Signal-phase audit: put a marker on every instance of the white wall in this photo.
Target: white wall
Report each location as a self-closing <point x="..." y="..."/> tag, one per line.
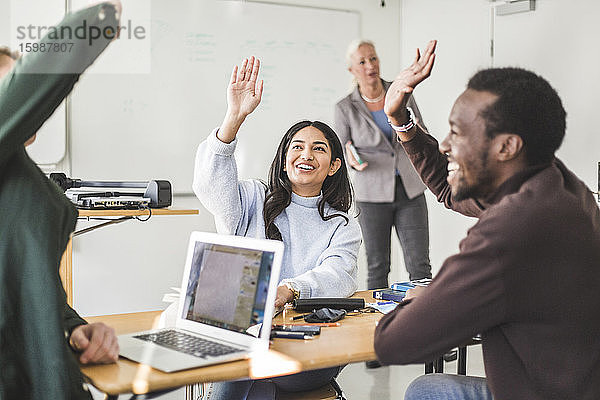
<point x="568" y="57"/>
<point x="463" y="33"/>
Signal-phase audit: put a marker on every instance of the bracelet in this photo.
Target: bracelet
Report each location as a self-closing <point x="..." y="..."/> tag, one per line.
<point x="295" y="291"/>
<point x="407" y="126"/>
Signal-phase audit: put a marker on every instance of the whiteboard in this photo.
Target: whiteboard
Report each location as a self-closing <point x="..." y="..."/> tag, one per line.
<point x="51" y="141"/>
<point x="133" y="126"/>
<point x="566" y="54"/>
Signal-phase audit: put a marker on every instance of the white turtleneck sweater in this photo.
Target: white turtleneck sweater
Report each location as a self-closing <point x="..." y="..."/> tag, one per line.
<point x="320" y="256"/>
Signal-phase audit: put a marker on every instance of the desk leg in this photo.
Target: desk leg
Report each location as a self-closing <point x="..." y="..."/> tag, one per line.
<point x="438" y="365"/>
<point x="462" y="361"/>
<point x="66" y="271"/>
<point x="429" y="367"/>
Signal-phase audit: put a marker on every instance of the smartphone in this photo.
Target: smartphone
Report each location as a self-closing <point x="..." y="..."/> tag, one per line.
<point x="306" y="329"/>
<point x="355" y="154"/>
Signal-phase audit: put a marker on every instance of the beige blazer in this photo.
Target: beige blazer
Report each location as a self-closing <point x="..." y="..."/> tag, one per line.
<point x="375" y="184"/>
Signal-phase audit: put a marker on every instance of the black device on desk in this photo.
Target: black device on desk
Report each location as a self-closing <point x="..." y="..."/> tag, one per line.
<point x="306" y="329"/>
<point x="389" y="294"/>
<point x="157" y="193"/>
<point x="291" y="335"/>
<point x="337" y="303"/>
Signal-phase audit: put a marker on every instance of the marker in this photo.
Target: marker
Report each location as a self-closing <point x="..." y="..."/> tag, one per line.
<point x="355" y="153"/>
<point x="291" y="335"/>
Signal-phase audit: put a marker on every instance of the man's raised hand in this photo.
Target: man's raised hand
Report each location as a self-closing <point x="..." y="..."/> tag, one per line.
<point x="406" y="81"/>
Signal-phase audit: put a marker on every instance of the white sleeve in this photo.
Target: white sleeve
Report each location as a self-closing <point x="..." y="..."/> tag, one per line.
<point x="216" y="184"/>
<point x="335" y="274"/>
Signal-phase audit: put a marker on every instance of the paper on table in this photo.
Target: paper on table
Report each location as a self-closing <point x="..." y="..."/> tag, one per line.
<point x="171" y="297"/>
<point x="169" y="315"/>
<point x="383" y="307"/>
<point x="254" y="330"/>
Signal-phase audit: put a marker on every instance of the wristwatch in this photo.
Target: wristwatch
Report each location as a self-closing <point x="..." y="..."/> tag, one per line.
<point x="295" y="291"/>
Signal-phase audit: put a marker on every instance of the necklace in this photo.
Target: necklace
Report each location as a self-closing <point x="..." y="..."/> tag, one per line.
<point x="375" y="100"/>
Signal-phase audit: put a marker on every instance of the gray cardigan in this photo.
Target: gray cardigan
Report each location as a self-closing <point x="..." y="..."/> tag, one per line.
<point x="375" y="184"/>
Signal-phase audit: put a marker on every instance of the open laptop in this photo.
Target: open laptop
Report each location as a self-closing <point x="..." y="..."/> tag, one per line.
<point x="229" y="285"/>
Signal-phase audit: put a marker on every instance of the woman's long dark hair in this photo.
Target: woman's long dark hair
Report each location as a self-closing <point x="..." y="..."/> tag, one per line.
<point x="337" y="189"/>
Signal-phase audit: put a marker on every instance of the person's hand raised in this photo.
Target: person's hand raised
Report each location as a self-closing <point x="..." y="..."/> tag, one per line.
<point x="406" y="81"/>
<point x="243" y="96"/>
<point x="244" y="93"/>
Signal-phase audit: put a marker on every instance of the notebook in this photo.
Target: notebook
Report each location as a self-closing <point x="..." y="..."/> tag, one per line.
<point x="228" y="286"/>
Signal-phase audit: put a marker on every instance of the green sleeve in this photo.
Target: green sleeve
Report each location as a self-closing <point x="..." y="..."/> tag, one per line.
<point x="71" y="319"/>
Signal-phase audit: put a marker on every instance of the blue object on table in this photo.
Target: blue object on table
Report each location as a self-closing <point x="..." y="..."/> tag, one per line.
<point x="402" y="286"/>
<point x="389" y="294"/>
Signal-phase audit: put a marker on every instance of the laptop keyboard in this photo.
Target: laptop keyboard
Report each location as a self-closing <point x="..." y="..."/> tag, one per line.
<point x="188" y="344"/>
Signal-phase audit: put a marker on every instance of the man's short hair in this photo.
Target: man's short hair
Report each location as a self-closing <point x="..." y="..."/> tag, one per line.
<point x="15" y="55"/>
<point x="526" y="106"/>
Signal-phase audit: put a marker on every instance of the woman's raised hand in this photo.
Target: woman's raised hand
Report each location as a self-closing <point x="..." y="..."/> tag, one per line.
<point x="243" y="96"/>
<point x="243" y="92"/>
<point x="398" y="93"/>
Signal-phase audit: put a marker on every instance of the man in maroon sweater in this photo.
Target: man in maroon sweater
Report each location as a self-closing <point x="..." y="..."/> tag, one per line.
<point x="527" y="274"/>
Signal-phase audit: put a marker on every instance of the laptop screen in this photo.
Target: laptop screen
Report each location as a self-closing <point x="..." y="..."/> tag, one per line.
<point x="227" y="286"/>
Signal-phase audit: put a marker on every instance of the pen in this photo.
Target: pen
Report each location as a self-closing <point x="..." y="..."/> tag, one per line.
<point x="291" y="335"/>
<point x="355" y="153"/>
<point x="297" y="317"/>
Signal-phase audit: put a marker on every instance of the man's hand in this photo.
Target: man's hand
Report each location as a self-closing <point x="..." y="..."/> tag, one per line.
<point x="284" y="295"/>
<point x="414" y="292"/>
<point x="352" y="160"/>
<point x="97" y="343"/>
<point x="399" y="92"/>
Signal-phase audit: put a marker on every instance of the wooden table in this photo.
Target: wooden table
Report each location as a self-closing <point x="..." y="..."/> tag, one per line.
<point x="350" y="342"/>
<point x="66" y="263"/>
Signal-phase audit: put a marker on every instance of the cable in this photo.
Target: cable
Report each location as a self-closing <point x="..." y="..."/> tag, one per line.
<point x="149" y="214"/>
<point x="91" y="228"/>
<point x="110" y="221"/>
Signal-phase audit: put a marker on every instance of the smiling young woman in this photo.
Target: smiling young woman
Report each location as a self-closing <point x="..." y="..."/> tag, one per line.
<point x="304" y="204"/>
